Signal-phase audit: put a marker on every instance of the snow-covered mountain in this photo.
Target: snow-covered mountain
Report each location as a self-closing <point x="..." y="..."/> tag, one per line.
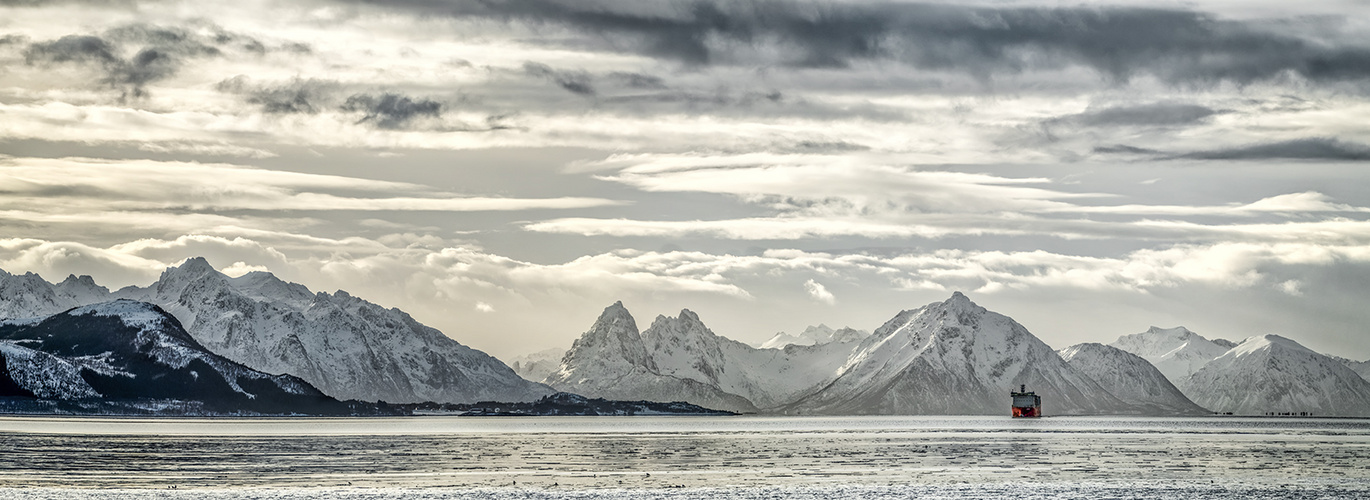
<point x="1130" y="378"/>
<point x="135" y="353"/>
<point x="683" y="347"/>
<point x="1176" y="352"/>
<point x="611" y="361"/>
<point x="679" y="358"/>
<point x="536" y="366"/>
<point x="1270" y="373"/>
<point x="1361" y="368"/>
<point x="815" y="335"/>
<point x="29" y="296"/>
<point x="955" y="357"/>
<point x="347" y="347"/>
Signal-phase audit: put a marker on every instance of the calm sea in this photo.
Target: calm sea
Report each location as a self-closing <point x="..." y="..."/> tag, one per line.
<point x="685" y="457"/>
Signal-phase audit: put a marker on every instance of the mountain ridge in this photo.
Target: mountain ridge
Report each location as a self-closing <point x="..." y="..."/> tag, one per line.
<point x="136" y="356"/>
<point x="347" y="347"/>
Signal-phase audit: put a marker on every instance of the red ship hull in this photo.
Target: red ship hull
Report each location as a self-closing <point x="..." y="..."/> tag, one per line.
<point x="1026" y="404"/>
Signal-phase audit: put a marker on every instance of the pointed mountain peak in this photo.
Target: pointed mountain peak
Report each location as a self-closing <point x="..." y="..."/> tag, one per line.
<point x="84" y="279"/>
<point x="688" y="315"/>
<point x="613" y="340"/>
<point x="196" y="264"/>
<point x="960" y="303"/>
<point x="192" y="268"/>
<point x="616" y="310"/>
<point x="960" y="300"/>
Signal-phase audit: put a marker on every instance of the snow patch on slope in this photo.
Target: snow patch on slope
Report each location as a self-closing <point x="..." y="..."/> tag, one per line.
<point x="45" y="375"/>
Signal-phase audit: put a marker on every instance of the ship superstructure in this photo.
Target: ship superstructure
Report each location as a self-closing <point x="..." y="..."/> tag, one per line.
<point x="1026" y="404"/>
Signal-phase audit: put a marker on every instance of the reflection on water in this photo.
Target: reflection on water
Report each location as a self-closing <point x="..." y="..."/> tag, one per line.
<point x="749" y="455"/>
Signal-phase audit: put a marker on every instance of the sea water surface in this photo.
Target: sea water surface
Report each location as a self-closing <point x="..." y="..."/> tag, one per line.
<point x="685" y="457"/>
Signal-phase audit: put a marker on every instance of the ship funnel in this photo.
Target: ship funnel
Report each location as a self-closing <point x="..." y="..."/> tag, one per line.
<point x="1022" y="388"/>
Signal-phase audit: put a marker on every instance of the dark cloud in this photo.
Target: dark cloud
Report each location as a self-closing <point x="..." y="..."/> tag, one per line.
<point x="1316" y="148"/>
<point x="828" y="146"/>
<point x="1177" y="46"/>
<point x="638" y="80"/>
<point x="575" y="82"/>
<point x="297" y="96"/>
<point x="134" y="55"/>
<point x="1124" y="149"/>
<point x="1155" y="114"/>
<point x="13" y="40"/>
<point x="43" y="3"/>
<point x="391" y="111"/>
<point x="72" y="48"/>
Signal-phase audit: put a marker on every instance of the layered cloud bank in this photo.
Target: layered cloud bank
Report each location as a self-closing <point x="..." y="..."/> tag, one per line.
<point x="504" y="168"/>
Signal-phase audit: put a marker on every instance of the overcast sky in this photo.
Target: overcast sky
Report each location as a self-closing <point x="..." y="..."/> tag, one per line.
<point x="505" y="169"/>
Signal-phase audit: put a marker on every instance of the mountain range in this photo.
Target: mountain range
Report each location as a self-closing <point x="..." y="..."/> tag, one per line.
<point x="814" y="335"/>
<point x="949" y="357"/>
<point x="952" y="357"/>
<point x="125" y="356"/>
<point x="345" y="346"/>
<point x="1272" y="374"/>
<point x="1262" y="374"/>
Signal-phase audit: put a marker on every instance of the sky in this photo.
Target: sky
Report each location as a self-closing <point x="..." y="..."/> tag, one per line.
<point x="505" y="169"/>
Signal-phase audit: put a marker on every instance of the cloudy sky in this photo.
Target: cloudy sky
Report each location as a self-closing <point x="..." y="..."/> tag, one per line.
<point x="504" y="169"/>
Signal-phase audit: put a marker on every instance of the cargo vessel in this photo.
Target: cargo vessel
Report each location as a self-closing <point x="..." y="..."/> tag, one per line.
<point x="1026" y="404"/>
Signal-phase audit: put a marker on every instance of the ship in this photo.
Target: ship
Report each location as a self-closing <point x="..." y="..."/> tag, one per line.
<point x="1026" y="404"/>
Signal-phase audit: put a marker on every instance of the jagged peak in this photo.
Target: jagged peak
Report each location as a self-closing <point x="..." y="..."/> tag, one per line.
<point x="193" y="267"/>
<point x="196" y="264"/>
<point x="74" y="284"/>
<point x="83" y="279"/>
<point x="615" y="310"/>
<point x="686" y="314"/>
<point x="959" y="299"/>
<point x="959" y="302"/>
